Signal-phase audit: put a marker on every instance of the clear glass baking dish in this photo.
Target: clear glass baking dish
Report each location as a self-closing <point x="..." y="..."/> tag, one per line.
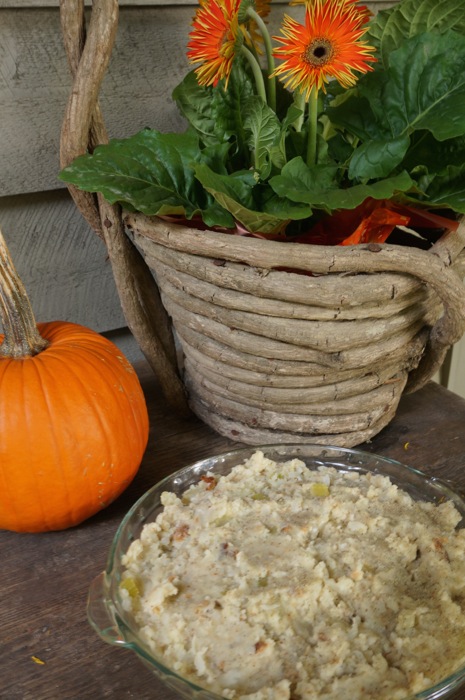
<point x="114" y="625"/>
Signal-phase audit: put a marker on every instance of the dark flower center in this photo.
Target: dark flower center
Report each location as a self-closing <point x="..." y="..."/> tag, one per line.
<point x="319" y="52"/>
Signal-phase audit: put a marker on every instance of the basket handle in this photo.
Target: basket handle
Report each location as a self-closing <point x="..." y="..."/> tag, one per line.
<point x="450" y="327"/>
<point x="434" y="268"/>
<point x="88" y="51"/>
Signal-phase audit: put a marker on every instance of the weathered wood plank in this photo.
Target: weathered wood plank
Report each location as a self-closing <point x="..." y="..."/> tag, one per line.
<point x="148" y="61"/>
<point x="62" y="263"/>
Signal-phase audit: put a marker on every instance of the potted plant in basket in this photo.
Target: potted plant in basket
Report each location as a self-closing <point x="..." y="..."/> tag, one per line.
<point x="344" y="130"/>
<point x="373" y="113"/>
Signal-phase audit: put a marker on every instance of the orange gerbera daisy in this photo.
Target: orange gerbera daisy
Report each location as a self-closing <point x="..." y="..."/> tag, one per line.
<point x="327" y="46"/>
<point x="214" y="39"/>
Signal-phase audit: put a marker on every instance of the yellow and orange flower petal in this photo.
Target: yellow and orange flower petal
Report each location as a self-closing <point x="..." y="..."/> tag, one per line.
<point x="363" y="10"/>
<point x="213" y="40"/>
<point x="328" y="46"/>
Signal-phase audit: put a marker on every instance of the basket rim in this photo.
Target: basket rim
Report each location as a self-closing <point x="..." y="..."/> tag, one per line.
<point x="319" y="259"/>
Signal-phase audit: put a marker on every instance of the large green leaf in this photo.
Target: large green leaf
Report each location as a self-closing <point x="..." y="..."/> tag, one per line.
<point x="378" y="158"/>
<point x="316" y="186"/>
<point x="281" y="207"/>
<point x="389" y="29"/>
<point x="239" y="185"/>
<point x="263" y="132"/>
<point x="215" y="113"/>
<point x="357" y="114"/>
<point x="351" y="197"/>
<point x="426" y="87"/>
<point x="422" y="90"/>
<point x="194" y="102"/>
<point x="278" y="152"/>
<point x="151" y="172"/>
<point x="299" y="182"/>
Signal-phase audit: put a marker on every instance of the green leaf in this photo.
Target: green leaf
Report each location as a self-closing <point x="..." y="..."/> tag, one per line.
<point x="448" y="188"/>
<point x="150" y="172"/>
<point x="216" y="156"/>
<point x="389" y="29"/>
<point x="377" y="159"/>
<point x="426" y="86"/>
<point x="283" y="208"/>
<point x="278" y="152"/>
<point x="215" y="113"/>
<point x="433" y="155"/>
<point x="356" y="114"/>
<point x="238" y="185"/>
<point x="423" y="88"/>
<point x="316" y="186"/>
<point x="263" y="131"/>
<point x="339" y="149"/>
<point x="353" y="196"/>
<point x="255" y="207"/>
<point x="194" y="102"/>
<point x="258" y="221"/>
<point x="299" y="182"/>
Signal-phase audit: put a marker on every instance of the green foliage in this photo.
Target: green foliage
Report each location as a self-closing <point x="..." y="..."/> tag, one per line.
<point x="217" y="115"/>
<point x="263" y="131"/>
<point x="257" y="208"/>
<point x="398" y="134"/>
<point x="152" y="173"/>
<point x="447" y="188"/>
<point x="409" y="18"/>
<point x="315" y="186"/>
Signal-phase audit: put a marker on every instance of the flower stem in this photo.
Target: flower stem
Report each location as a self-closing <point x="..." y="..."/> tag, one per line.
<point x="253" y="14"/>
<point x="257" y="72"/>
<point x="299" y="101"/>
<point x="21" y="339"/>
<point x="312" y="126"/>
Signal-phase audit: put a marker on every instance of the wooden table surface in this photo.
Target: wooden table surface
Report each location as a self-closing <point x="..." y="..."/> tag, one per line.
<point x="48" y="651"/>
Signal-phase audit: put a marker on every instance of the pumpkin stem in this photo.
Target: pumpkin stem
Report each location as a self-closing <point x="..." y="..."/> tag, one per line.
<point x="21" y="337"/>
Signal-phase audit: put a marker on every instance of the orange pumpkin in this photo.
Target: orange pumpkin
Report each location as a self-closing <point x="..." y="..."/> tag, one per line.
<point x="73" y="417"/>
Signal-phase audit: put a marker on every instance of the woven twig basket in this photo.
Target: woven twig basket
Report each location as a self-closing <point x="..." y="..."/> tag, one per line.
<point x="280" y="356"/>
<point x="321" y="353"/>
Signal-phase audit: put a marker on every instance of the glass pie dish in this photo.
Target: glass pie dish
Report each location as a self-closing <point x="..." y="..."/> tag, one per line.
<point x="115" y="625"/>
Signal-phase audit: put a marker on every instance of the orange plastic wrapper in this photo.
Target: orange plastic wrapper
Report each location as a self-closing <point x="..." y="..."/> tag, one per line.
<point x="368" y="223"/>
<point x="371" y="222"/>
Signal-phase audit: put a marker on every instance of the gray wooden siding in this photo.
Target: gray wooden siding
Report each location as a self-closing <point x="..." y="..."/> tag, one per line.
<point x="147" y="62"/>
<point x="62" y="262"/>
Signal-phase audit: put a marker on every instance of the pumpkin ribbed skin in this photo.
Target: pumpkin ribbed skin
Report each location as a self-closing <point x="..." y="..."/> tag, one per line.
<point x="73" y="430"/>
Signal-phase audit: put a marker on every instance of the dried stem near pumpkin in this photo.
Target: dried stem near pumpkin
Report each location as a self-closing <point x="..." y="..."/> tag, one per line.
<point x="22" y="339"/>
